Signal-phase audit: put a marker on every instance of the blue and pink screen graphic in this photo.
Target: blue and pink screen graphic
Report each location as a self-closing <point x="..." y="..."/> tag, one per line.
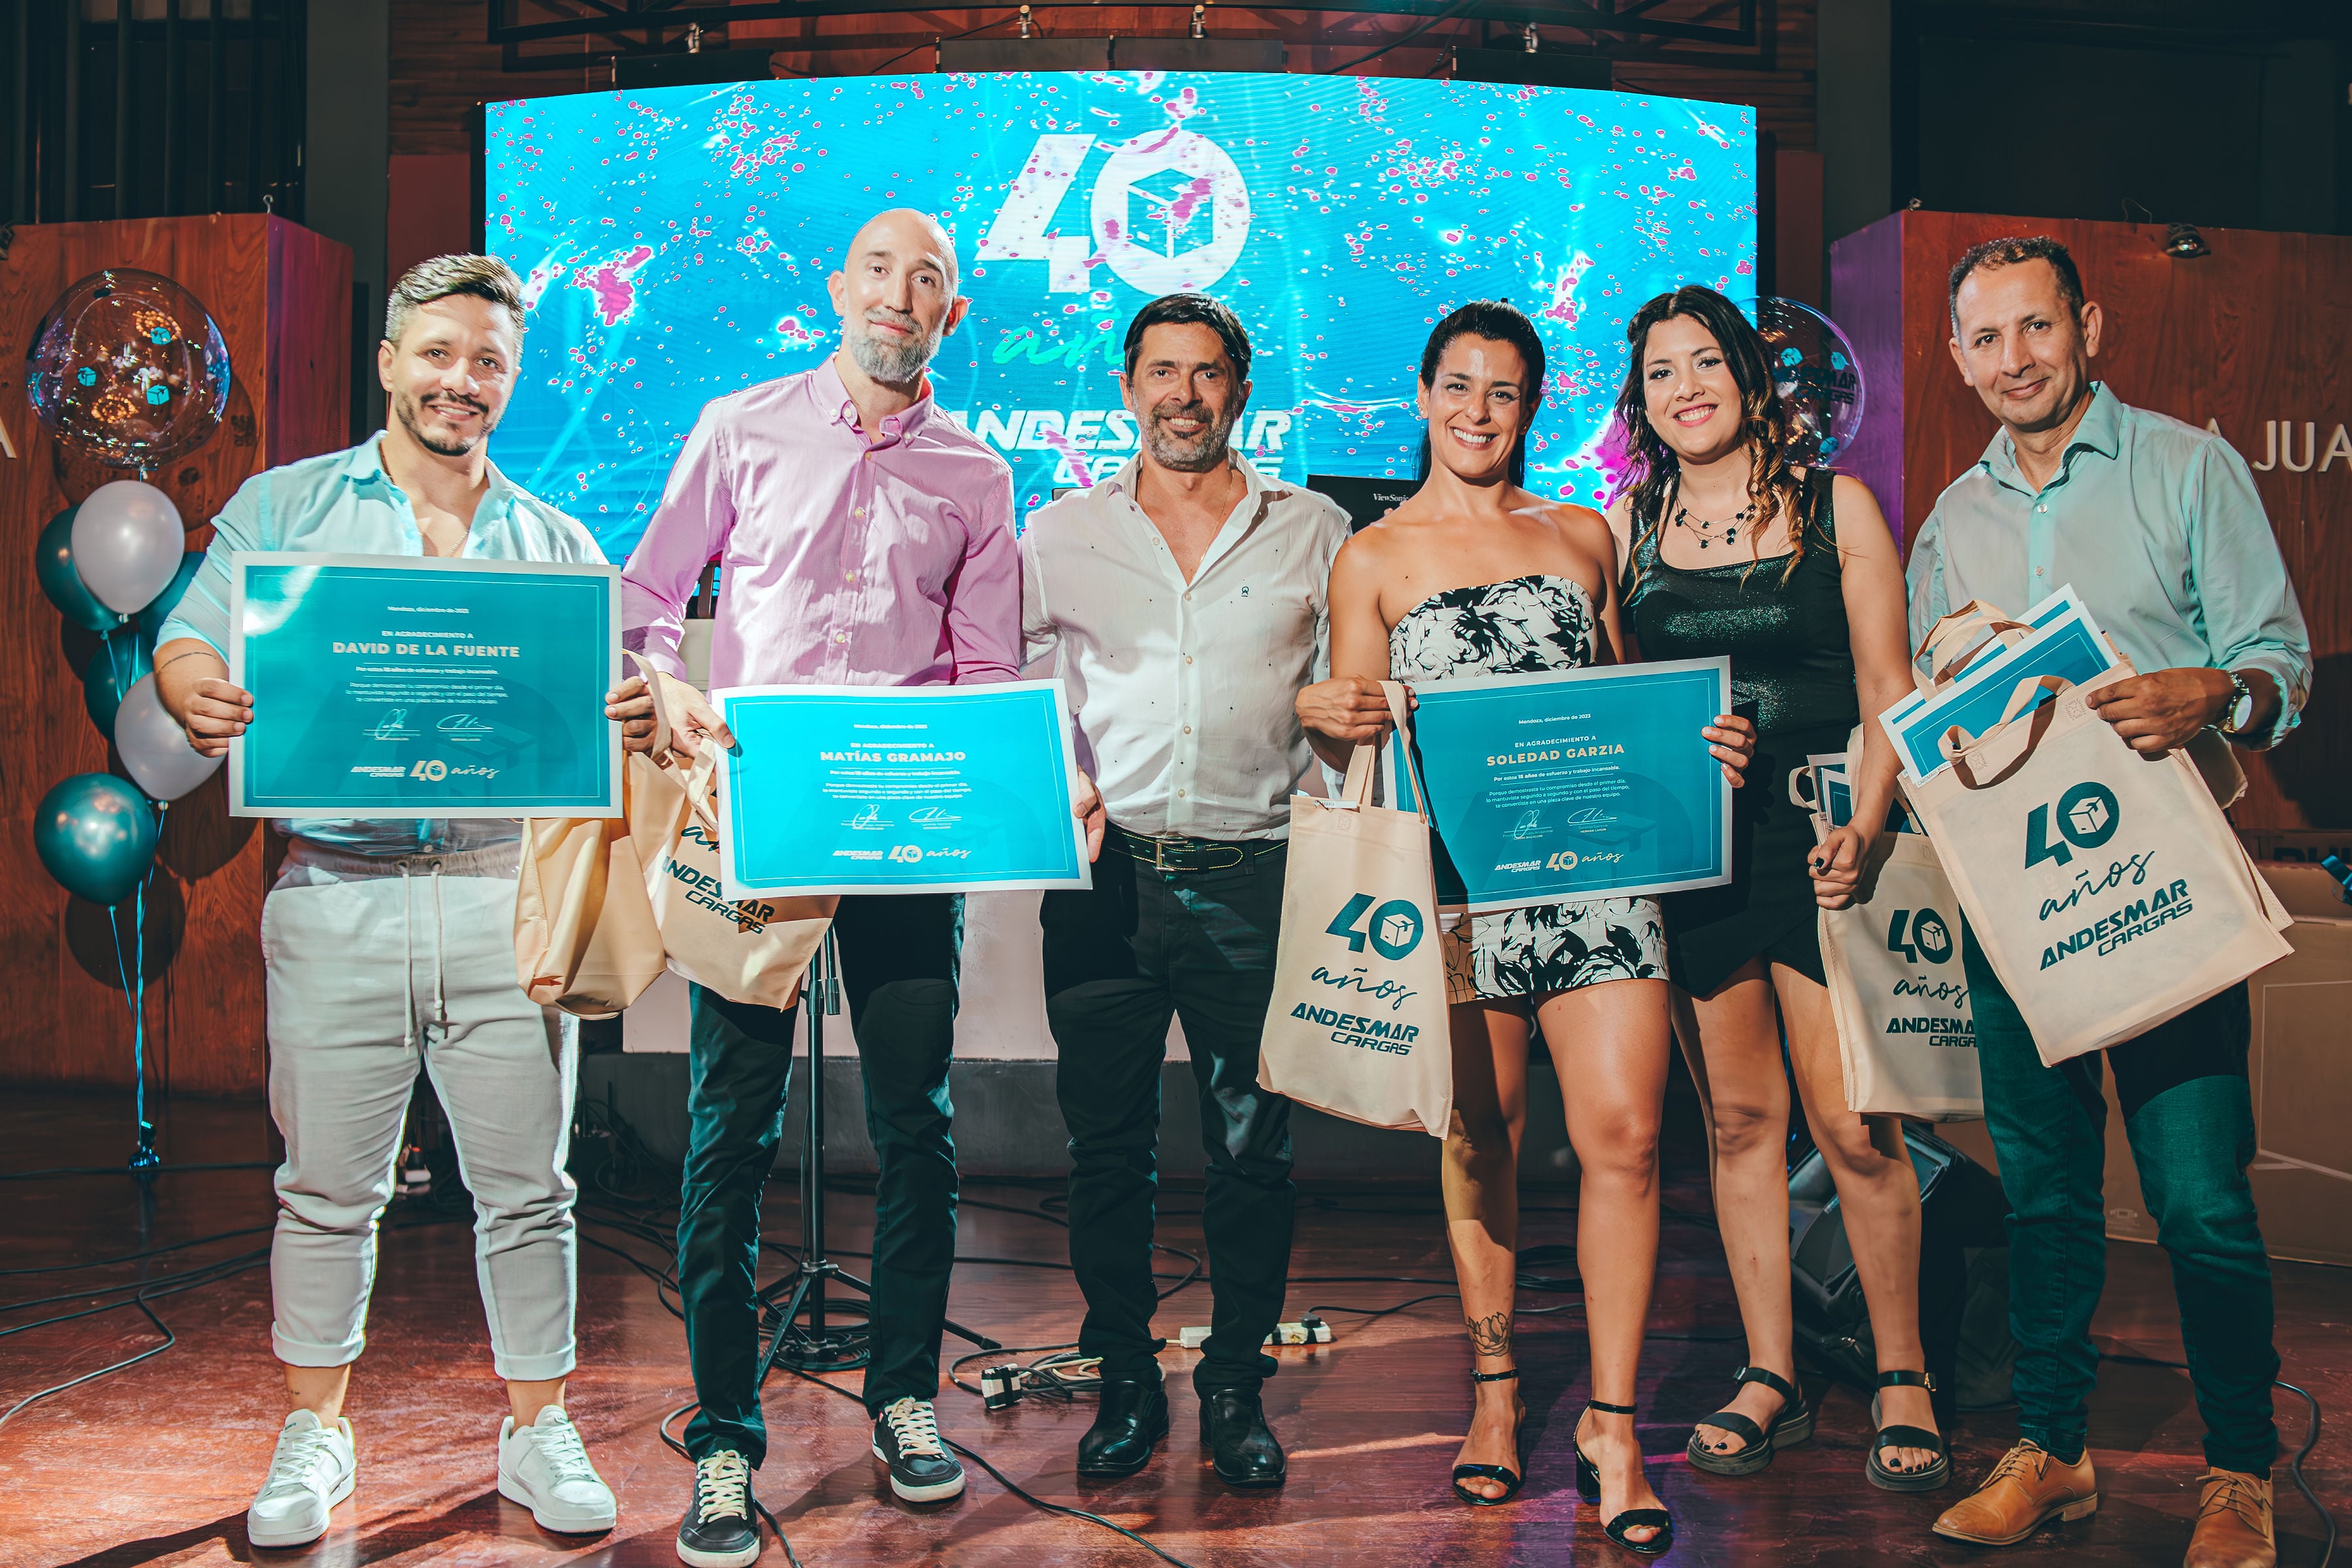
<point x="677" y="244"/>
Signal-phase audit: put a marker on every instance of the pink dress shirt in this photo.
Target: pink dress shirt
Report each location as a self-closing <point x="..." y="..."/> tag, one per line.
<point x="841" y="562"/>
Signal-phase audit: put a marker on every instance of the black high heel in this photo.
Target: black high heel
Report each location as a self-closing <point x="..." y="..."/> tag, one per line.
<point x="1510" y="1478"/>
<point x="1588" y="1487"/>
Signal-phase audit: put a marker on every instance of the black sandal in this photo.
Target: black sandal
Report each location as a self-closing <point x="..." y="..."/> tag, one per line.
<point x="1927" y="1478"/>
<point x="1588" y="1487"/>
<point x="1510" y="1478"/>
<point x="1793" y="1425"/>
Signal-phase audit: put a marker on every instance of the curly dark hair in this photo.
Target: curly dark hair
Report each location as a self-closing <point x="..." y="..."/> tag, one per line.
<point x="2011" y="250"/>
<point x="1498" y="322"/>
<point x="1773" y="483"/>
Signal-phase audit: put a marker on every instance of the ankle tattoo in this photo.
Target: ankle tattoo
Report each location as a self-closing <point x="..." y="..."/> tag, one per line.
<point x="1490" y="1335"/>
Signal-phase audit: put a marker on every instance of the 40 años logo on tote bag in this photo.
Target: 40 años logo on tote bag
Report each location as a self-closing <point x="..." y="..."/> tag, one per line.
<point x="1394" y="928"/>
<point x="2088" y="817"/>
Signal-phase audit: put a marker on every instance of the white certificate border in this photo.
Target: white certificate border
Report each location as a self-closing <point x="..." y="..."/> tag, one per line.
<point x="1720" y="666"/>
<point x="452" y="811"/>
<point x="734" y="891"/>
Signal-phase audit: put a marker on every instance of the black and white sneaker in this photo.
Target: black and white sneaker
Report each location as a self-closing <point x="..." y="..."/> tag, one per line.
<point x="907" y="1439"/>
<point x="719" y="1530"/>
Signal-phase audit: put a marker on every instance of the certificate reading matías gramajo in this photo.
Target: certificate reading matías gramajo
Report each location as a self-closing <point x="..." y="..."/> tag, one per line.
<point x="898" y="789"/>
<point x="413" y="686"/>
<point x="1575" y="785"/>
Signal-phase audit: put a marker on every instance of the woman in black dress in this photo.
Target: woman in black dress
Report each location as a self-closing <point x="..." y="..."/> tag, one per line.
<point x="1729" y="550"/>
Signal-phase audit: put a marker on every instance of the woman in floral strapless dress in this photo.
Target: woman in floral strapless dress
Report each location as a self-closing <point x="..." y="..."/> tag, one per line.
<point x="1474" y="576"/>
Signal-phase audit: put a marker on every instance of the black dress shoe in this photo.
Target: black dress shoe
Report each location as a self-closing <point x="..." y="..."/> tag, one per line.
<point x="1132" y="1418"/>
<point x="1232" y="1428"/>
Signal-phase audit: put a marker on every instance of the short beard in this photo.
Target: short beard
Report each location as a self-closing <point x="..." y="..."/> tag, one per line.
<point x="411" y="411"/>
<point x="894" y="364"/>
<point x="1208" y="450"/>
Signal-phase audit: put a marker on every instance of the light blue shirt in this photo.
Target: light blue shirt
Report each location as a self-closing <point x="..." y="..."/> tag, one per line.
<point x="2155" y="523"/>
<point x="344" y="503"/>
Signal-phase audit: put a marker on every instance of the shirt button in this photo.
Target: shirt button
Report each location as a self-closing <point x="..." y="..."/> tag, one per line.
<point x="1179" y="795"/>
<point x="1188" y="598"/>
<point x="1188" y="658"/>
<point x="857" y="511"/>
<point x="2038" y="572"/>
<point x="841" y="636"/>
<point x="2044" y="507"/>
<point x="852" y="575"/>
<point x="1188" y="729"/>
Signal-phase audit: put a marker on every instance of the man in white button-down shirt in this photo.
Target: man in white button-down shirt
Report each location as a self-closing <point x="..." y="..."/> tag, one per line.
<point x="1184" y="602"/>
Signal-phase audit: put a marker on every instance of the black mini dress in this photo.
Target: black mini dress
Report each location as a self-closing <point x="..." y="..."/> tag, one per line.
<point x="1792" y="672"/>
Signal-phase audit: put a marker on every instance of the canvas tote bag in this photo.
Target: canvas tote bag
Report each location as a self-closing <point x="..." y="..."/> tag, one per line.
<point x="1905" y="1034"/>
<point x="1357" y="1024"/>
<point x="754" y="949"/>
<point x="2106" y="886"/>
<point x="585" y="937"/>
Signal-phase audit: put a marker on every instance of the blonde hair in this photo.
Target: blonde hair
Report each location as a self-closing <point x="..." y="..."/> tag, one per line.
<point x="445" y="277"/>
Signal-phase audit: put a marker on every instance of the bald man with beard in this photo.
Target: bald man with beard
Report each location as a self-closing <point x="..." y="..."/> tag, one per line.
<point x="866" y="540"/>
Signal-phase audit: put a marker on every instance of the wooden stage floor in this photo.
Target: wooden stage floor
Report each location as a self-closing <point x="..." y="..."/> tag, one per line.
<point x="156" y="1463"/>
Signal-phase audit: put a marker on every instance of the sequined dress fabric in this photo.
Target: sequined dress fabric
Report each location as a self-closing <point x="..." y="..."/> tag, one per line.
<point x="1522" y="626"/>
<point x="1792" y="672"/>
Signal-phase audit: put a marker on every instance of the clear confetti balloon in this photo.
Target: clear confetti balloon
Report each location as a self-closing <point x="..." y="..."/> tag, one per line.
<point x="1819" y="381"/>
<point x="128" y="369"/>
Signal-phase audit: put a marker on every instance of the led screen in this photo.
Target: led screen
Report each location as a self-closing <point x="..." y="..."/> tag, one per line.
<point x="677" y="244"/>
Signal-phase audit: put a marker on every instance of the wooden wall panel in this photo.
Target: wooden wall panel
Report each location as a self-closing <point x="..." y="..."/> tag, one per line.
<point x="2250" y="339"/>
<point x="281" y="296"/>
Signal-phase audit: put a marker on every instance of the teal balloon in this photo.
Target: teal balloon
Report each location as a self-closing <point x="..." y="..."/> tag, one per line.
<point x="113" y="670"/>
<point x="97" y="836"/>
<point x="151" y="618"/>
<point x="54" y="563"/>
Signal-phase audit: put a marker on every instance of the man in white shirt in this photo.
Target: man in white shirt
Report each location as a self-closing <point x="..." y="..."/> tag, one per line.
<point x="1183" y="600"/>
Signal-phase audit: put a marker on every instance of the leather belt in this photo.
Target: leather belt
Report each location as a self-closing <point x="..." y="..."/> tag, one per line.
<point x="1174" y="852"/>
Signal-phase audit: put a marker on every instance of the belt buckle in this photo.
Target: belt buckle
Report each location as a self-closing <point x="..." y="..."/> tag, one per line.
<point x="1160" y="844"/>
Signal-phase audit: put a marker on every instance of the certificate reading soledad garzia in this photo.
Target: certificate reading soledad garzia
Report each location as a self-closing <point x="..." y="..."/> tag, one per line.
<point x="414" y="686"/>
<point x="905" y="789"/>
<point x="1575" y="785"/>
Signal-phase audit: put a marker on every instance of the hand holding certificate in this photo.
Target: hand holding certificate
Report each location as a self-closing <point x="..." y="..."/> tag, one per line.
<point x="919" y="789"/>
<point x="406" y="686"/>
<point x="1578" y="784"/>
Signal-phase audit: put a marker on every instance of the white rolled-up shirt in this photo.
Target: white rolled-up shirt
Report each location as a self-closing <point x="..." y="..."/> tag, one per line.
<point x="1182" y="692"/>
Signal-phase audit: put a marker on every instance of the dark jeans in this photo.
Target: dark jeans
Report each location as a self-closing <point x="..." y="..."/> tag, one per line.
<point x="1121" y="959"/>
<point x="2188" y="1114"/>
<point x="898" y="968"/>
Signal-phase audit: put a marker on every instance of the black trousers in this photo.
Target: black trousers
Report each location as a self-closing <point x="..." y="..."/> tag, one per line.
<point x="898" y="958"/>
<point x="1121" y="958"/>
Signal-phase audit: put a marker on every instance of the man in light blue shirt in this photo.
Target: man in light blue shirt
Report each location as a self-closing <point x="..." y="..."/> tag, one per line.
<point x="389" y="945"/>
<point x="2157" y="527"/>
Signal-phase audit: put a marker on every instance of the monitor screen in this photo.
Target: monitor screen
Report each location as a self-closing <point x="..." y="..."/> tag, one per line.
<point x="676" y="243"/>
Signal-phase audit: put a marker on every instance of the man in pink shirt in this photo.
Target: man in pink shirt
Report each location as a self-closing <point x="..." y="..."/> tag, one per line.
<point x="862" y="537"/>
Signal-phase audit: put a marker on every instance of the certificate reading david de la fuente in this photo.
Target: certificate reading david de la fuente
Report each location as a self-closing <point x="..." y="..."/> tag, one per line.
<point x="406" y="686"/>
<point x="905" y="789"/>
<point x="1575" y="785"/>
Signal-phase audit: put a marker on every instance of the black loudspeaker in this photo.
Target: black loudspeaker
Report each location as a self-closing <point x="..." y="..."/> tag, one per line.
<point x="1963" y="1278"/>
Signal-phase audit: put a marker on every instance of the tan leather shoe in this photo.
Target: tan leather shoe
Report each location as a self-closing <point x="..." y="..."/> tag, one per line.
<point x="2027" y="1489"/>
<point x="2233" y="1523"/>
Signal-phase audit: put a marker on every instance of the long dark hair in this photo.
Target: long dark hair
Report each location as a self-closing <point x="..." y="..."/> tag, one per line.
<point x="1773" y="483"/>
<point x="1497" y="320"/>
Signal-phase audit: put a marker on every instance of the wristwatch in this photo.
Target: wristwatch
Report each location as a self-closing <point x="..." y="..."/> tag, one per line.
<point x="2242" y="706"/>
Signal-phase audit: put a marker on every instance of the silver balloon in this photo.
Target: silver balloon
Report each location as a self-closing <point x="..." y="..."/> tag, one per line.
<point x="154" y="748"/>
<point x="127" y="545"/>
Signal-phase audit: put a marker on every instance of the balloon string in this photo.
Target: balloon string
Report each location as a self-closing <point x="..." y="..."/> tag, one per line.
<point x="144" y="1156"/>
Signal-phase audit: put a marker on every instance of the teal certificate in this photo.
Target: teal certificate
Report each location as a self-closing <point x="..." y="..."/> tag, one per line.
<point x="409" y="686"/>
<point x="1575" y="785"/>
<point x="898" y="789"/>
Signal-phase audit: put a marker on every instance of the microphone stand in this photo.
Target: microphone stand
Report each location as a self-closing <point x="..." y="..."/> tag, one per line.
<point x="795" y="1309"/>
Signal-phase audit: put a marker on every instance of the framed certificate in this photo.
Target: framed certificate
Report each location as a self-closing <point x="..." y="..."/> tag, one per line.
<point x="899" y="789"/>
<point x="412" y="686"/>
<point x="1575" y="785"/>
<point x="2064" y="641"/>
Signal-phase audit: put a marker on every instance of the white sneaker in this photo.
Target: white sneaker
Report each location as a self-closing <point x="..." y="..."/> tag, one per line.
<point x="313" y="1470"/>
<point x="545" y="1468"/>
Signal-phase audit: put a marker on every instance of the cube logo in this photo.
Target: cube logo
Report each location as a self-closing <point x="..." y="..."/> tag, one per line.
<point x="2088" y="817"/>
<point x="1169" y="211"/>
<point x="1394" y="928"/>
<point x="1919" y="935"/>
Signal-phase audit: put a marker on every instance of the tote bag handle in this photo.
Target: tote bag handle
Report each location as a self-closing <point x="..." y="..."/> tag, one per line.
<point x="1363" y="764"/>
